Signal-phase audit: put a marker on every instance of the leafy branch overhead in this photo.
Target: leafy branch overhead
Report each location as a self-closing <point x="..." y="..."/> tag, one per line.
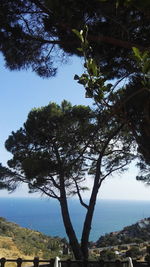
<point x="143" y="60"/>
<point x="92" y="80"/>
<point x="120" y="100"/>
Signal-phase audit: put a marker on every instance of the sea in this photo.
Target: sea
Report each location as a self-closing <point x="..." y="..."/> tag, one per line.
<point x="44" y="215"/>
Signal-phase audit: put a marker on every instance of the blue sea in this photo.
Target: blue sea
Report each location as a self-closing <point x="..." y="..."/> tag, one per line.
<point x="44" y="215"/>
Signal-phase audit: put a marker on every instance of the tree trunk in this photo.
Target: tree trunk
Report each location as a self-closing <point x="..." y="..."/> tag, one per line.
<point x="90" y="212"/>
<point x="97" y="183"/>
<point x="68" y="224"/>
<point x="70" y="231"/>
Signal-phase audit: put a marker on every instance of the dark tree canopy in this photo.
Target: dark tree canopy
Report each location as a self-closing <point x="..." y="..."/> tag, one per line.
<point x="32" y="32"/>
<point x="50" y="133"/>
<point x="137" y="113"/>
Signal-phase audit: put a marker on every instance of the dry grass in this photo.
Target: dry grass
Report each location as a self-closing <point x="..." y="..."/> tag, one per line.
<point x="9" y="250"/>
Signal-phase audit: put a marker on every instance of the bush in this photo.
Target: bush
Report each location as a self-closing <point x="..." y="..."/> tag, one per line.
<point x="134" y="252"/>
<point x="147" y="258"/>
<point x="5" y="245"/>
<point x="108" y="255"/>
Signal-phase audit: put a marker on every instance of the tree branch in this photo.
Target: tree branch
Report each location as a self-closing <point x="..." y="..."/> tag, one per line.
<point x="79" y="195"/>
<point x="111" y="136"/>
<point x="27" y="25"/>
<point x="113" y="170"/>
<point x="54" y="182"/>
<point x="41" y="6"/>
<point x="22" y="179"/>
<point x="101" y="38"/>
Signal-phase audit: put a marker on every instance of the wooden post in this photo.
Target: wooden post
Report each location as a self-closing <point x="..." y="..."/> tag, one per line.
<point x="68" y="263"/>
<point x="3" y="260"/>
<point x="85" y="263"/>
<point x="118" y="263"/>
<point x="101" y="263"/>
<point x="52" y="262"/>
<point x="19" y="262"/>
<point x="135" y="263"/>
<point x="36" y="262"/>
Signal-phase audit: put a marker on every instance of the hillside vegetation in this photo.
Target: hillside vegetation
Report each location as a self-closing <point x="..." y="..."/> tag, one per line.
<point x="136" y="233"/>
<point x="133" y="241"/>
<point x="16" y="241"/>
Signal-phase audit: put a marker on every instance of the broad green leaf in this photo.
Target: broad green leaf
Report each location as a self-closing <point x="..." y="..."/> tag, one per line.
<point x="77" y="33"/>
<point x="145" y="56"/>
<point x="146" y="66"/>
<point x="92" y="66"/>
<point x="137" y="52"/>
<point x="80" y="49"/>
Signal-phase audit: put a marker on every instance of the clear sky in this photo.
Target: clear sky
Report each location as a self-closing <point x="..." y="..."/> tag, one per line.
<point x="23" y="90"/>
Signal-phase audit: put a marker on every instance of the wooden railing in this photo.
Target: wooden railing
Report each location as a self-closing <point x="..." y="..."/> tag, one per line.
<point x="117" y="263"/>
<point x="72" y="263"/>
<point x="90" y="263"/>
<point x="34" y="263"/>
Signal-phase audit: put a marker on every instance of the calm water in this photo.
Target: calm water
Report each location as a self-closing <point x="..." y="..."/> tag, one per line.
<point x="44" y="215"/>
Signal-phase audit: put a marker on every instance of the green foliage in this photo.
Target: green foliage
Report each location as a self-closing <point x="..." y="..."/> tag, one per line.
<point x="32" y="31"/>
<point x="108" y="255"/>
<point x="148" y="249"/>
<point x="147" y="258"/>
<point x="92" y="79"/>
<point x="57" y="140"/>
<point x="51" y="134"/>
<point x="134" y="252"/>
<point x="136" y="99"/>
<point x="143" y="60"/>
<point x="122" y="102"/>
<point x="130" y="234"/>
<point x="55" y="150"/>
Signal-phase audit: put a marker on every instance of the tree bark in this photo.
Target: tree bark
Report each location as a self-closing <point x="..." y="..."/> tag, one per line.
<point x="90" y="212"/>
<point x="68" y="224"/>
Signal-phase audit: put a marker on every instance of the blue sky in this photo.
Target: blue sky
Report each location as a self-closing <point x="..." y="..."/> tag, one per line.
<point x="23" y="90"/>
